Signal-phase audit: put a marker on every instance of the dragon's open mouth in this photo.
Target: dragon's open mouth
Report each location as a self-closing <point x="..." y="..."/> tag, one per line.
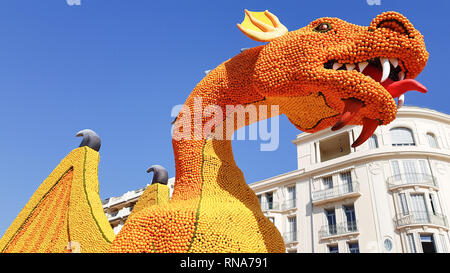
<point x="387" y="71"/>
<point x="390" y="73"/>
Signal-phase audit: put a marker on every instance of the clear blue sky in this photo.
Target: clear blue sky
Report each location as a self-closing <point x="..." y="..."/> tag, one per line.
<point x="119" y="66"/>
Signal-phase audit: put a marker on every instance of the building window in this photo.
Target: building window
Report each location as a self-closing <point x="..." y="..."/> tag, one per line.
<point x="443" y="244"/>
<point x="373" y="142"/>
<point x="403" y="204"/>
<point x="353" y="247"/>
<point x="327" y="182"/>
<point x="259" y="199"/>
<point x="351" y="218"/>
<point x="423" y="167"/>
<point x="269" y="200"/>
<point x="346" y="179"/>
<point x="427" y="242"/>
<point x="396" y="170"/>
<point x="432" y="140"/>
<point x="331" y="220"/>
<point x="420" y="208"/>
<point x="388" y="245"/>
<point x="411" y="175"/>
<point x="402" y="137"/>
<point x="433" y="203"/>
<point x="291" y="198"/>
<point x="410" y="171"/>
<point x="333" y="249"/>
<point x="411" y="243"/>
<point x="292" y="228"/>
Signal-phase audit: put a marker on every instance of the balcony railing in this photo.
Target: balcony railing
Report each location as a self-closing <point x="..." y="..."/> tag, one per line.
<point x="420" y="218"/>
<point x="113" y="214"/>
<point x="269" y="206"/>
<point x="290" y="236"/>
<point x="411" y="179"/>
<point x="336" y="192"/>
<point x="131" y="195"/>
<point x="124" y="212"/>
<point x="338" y="229"/>
<point x="289" y="204"/>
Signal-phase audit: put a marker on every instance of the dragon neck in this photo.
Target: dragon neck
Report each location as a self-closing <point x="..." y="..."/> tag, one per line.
<point x="201" y="161"/>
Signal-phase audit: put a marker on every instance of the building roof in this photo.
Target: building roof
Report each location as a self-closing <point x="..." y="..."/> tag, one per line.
<point x="405" y="111"/>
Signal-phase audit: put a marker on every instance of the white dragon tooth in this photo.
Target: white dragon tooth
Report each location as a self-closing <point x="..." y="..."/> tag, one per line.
<point x="336" y="66"/>
<point x="401" y="75"/>
<point x="401" y="101"/>
<point x="350" y="67"/>
<point x="362" y="66"/>
<point x="394" y="62"/>
<point x="386" y="68"/>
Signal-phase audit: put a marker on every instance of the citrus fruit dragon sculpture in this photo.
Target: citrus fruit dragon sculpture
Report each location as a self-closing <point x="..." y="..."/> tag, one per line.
<point x="328" y="74"/>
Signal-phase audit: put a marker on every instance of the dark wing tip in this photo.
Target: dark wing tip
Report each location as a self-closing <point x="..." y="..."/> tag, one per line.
<point x="90" y="139"/>
<point x="160" y="174"/>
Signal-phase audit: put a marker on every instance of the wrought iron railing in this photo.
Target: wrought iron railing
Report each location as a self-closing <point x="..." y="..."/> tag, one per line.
<point x="290" y="236"/>
<point x="411" y="179"/>
<point x="338" y="229"/>
<point x="131" y="195"/>
<point x="420" y="218"/>
<point x="124" y="212"/>
<point x="336" y="191"/>
<point x="269" y="206"/>
<point x="113" y="214"/>
<point x="289" y="204"/>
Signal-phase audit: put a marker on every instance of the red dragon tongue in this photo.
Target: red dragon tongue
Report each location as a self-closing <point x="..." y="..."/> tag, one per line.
<point x="396" y="89"/>
<point x="352" y="106"/>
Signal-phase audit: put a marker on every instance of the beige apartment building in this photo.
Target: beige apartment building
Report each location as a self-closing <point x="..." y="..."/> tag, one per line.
<point x="391" y="194"/>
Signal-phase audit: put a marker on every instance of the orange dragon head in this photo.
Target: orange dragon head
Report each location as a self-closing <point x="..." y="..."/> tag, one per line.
<point x="333" y="73"/>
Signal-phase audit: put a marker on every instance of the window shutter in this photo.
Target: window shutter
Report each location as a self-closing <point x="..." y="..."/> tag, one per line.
<point x="404" y="204"/>
<point x="402" y="137"/>
<point x="396" y="170"/>
<point x="423" y="166"/>
<point x="412" y="245"/>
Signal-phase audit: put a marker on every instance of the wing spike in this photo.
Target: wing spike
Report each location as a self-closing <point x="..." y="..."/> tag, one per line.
<point x="262" y="26"/>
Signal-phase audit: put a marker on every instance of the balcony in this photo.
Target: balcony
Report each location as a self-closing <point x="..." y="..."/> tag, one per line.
<point x="420" y="218"/>
<point x="338" y="230"/>
<point x="265" y="206"/>
<point x="119" y="214"/>
<point x="290" y="237"/>
<point x="289" y="204"/>
<point x="126" y="198"/>
<point x="339" y="192"/>
<point x="411" y="180"/>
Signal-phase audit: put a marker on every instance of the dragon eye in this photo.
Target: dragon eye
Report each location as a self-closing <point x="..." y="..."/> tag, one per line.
<point x="323" y="27"/>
